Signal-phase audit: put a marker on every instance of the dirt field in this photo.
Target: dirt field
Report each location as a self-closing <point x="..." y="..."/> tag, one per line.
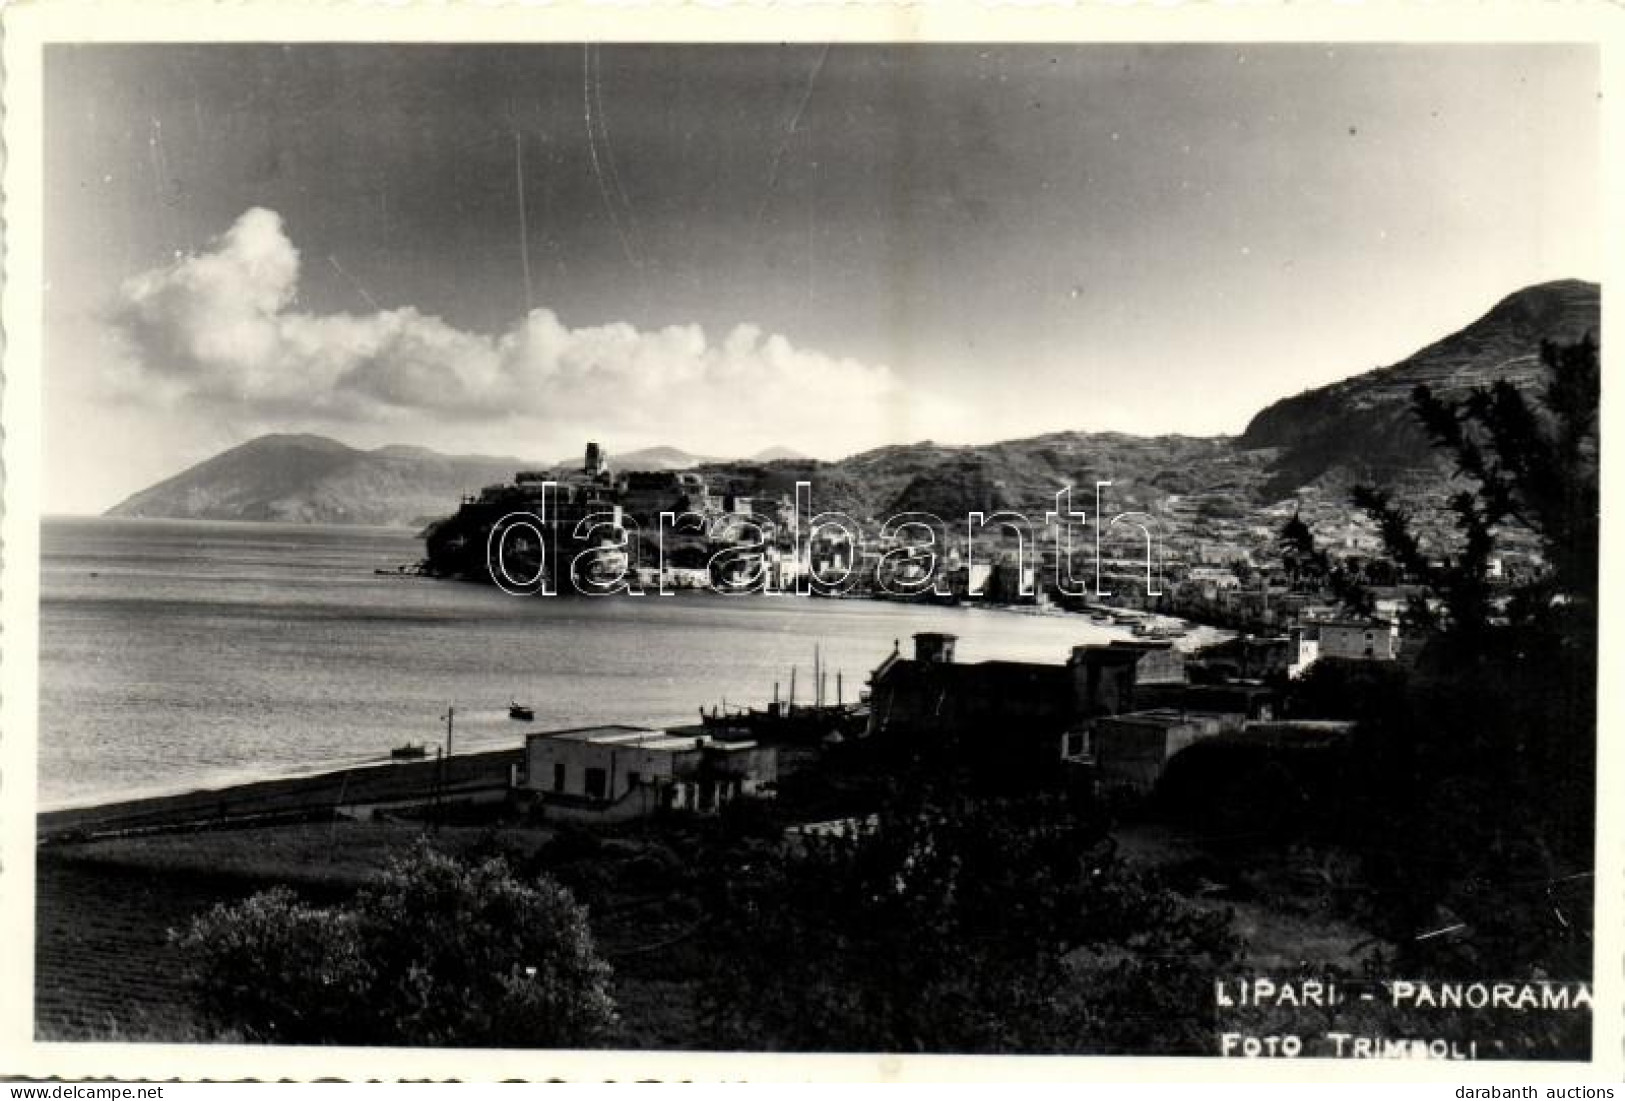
<point x="102" y="965"/>
<point x="104" y="969"/>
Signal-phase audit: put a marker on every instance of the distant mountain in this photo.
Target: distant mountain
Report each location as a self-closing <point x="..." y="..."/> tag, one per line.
<point x="658" y="458"/>
<point x="1358" y="429"/>
<point x="675" y="458"/>
<point x="1363" y="427"/>
<point x="646" y="458"/>
<point x="777" y="455"/>
<point x="315" y="480"/>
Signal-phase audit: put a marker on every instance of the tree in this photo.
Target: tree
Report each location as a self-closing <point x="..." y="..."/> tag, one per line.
<point x="437" y="953"/>
<point x="1528" y="462"/>
<point x="1307" y="564"/>
<point x="1486" y="774"/>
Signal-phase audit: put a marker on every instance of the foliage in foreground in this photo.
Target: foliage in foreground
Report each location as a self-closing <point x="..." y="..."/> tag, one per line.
<point x="1481" y="767"/>
<point x="438" y="953"/>
<point x="962" y="924"/>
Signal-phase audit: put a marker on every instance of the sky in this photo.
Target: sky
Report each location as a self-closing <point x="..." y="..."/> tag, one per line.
<point x="511" y="250"/>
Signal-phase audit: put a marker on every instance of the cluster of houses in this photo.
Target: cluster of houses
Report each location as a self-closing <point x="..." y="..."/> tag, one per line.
<point x="1122" y="710"/>
<point x="1117" y="712"/>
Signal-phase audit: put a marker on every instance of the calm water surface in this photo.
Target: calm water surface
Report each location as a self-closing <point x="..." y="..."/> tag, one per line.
<point x="178" y="655"/>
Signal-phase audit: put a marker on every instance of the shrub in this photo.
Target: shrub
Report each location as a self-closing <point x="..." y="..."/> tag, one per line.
<point x="467" y="955"/>
<point x="440" y="952"/>
<point x="274" y="968"/>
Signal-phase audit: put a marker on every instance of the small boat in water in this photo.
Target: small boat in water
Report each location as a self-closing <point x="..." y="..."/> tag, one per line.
<point x="520" y="712"/>
<point x="411" y="751"/>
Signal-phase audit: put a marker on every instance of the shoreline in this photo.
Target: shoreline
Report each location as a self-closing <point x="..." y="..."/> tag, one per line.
<point x="93" y="806"/>
<point x="249" y="776"/>
<point x="108" y="793"/>
<point x="288" y="796"/>
<point x="204" y="786"/>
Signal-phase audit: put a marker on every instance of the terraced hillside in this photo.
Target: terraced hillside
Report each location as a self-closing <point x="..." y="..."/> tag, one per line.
<point x="1362" y="427"/>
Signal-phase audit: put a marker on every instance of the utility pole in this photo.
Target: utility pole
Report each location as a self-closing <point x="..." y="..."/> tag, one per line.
<point x="441" y="762"/>
<point x="333" y="828"/>
<point x="439" y="783"/>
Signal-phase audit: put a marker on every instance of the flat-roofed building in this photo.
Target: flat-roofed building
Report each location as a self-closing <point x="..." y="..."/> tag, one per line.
<point x="1353" y="640"/>
<point x="1160" y="662"/>
<point x="613" y="772"/>
<point x="1238" y="703"/>
<point x="1019" y="720"/>
<point x="1131" y="750"/>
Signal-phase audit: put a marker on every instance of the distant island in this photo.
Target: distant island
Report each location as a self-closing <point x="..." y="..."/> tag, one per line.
<point x="308" y="479"/>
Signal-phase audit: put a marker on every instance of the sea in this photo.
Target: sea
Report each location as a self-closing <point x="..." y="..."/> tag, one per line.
<point x="179" y="655"/>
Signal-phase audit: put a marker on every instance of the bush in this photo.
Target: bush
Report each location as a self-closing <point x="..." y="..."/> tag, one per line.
<point x="439" y="953"/>
<point x="275" y="968"/>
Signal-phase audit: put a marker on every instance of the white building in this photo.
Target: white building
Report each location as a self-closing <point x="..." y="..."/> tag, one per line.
<point x="1358" y="640"/>
<point x="627" y="772"/>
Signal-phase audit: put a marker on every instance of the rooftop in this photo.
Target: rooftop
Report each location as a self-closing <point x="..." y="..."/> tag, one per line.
<point x="636" y="737"/>
<point x="1354" y="624"/>
<point x="1163" y="717"/>
<point x="1294" y="733"/>
<point x="1330" y="726"/>
<point x="993" y="668"/>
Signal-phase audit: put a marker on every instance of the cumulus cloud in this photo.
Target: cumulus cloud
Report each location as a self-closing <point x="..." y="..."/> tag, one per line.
<point x="222" y="328"/>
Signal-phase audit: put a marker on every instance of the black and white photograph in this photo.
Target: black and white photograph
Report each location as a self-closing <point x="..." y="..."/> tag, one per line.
<point x="797" y="546"/>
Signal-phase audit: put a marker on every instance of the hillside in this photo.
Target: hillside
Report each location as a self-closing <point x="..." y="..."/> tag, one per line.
<point x="1358" y="429"/>
<point x="1021" y="475"/>
<point x="1362" y="427"/>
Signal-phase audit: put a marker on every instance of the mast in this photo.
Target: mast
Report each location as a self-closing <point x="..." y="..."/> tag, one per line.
<point x="450" y="711"/>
